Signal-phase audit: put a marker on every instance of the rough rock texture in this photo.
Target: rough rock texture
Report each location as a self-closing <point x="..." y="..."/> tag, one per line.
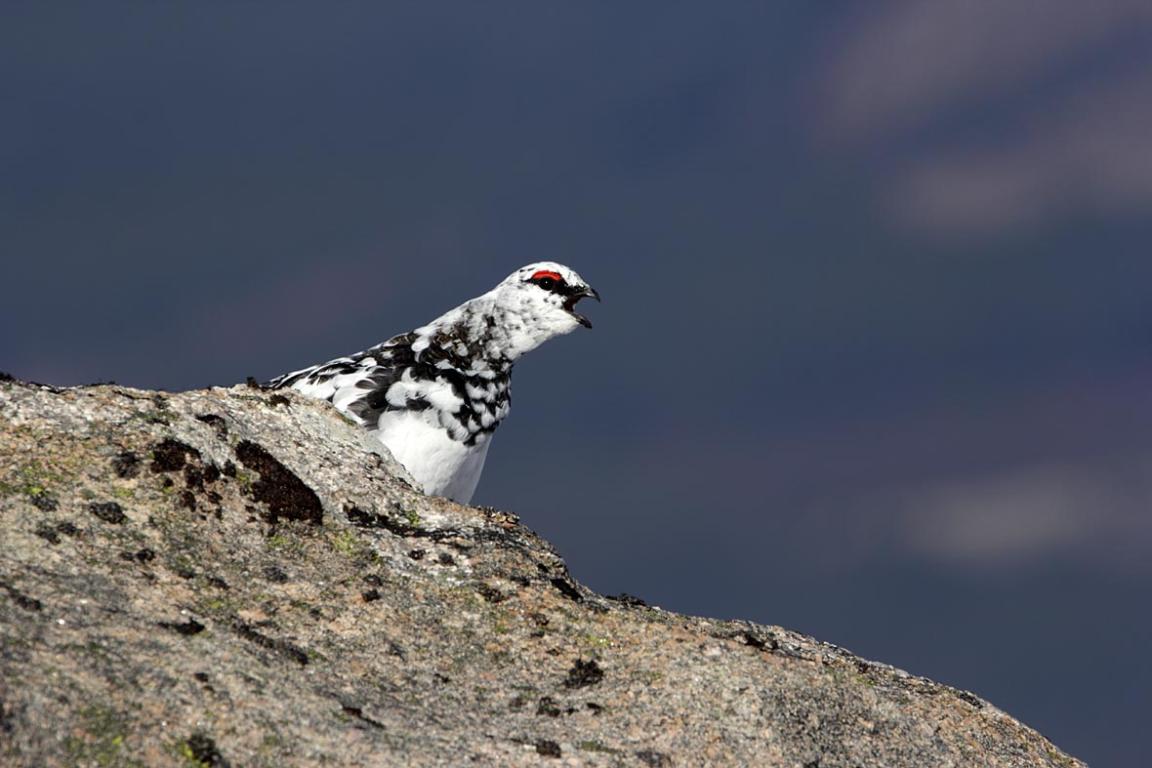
<point x="229" y="577"/>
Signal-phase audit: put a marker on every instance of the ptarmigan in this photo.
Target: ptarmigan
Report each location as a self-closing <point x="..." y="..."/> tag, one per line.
<point x="435" y="395"/>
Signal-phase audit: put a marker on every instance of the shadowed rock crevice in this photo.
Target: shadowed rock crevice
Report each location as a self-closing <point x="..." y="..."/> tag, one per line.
<point x="148" y="616"/>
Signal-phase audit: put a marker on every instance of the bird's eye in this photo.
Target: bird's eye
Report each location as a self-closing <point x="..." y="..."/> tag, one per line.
<point x="547" y="280"/>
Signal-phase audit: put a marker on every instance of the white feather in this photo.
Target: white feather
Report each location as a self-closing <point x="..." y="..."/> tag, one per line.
<point x="442" y="465"/>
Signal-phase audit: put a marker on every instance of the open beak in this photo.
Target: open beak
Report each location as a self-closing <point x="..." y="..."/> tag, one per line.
<point x="570" y="304"/>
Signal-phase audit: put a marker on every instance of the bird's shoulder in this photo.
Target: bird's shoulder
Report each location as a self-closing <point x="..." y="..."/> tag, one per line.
<point x="430" y="369"/>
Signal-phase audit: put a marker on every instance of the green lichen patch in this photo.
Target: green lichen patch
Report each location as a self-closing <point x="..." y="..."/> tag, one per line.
<point x="199" y="750"/>
<point x="33" y="480"/>
<point x="596" y="746"/>
<point x="99" y="738"/>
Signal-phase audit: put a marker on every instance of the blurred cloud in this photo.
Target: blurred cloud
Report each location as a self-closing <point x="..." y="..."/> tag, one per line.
<point x="1094" y="155"/>
<point x="900" y="61"/>
<point x="981" y="116"/>
<point x="1073" y="512"/>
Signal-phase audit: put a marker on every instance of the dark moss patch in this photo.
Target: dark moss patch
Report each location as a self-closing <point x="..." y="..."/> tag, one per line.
<point x="51" y="533"/>
<point x="286" y="496"/>
<point x="182" y="570"/>
<point x="22" y="600"/>
<point x="358" y="713"/>
<point x="654" y="759"/>
<point x="194" y="476"/>
<point x="217" y="423"/>
<point x="547" y="707"/>
<point x="170" y="455"/>
<point x="548" y="748"/>
<point x="568" y="589"/>
<point x="44" y="502"/>
<point x="491" y="594"/>
<point x="187" y="499"/>
<point x="6" y="726"/>
<point x="279" y="400"/>
<point x="27" y="603"/>
<point x="144" y="555"/>
<point x="446" y="559"/>
<point x="752" y="640"/>
<point x="108" y="511"/>
<point x="583" y="674"/>
<point x="275" y="574"/>
<point x="217" y="582"/>
<point x="371" y="595"/>
<point x="365" y="519"/>
<point x="969" y="698"/>
<point x="48" y="533"/>
<point x="626" y="599"/>
<point x="252" y="383"/>
<point x="282" y="647"/>
<point x="540" y="621"/>
<point x="360" y="517"/>
<point x="202" y="748"/>
<point x="457" y="538"/>
<point x="186" y="628"/>
<point x="126" y="464"/>
<point x="759" y="643"/>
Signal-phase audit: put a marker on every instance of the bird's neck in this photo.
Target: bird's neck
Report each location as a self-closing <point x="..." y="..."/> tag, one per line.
<point x="488" y="333"/>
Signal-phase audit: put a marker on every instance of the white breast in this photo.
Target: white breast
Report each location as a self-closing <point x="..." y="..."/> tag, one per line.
<point x="442" y="466"/>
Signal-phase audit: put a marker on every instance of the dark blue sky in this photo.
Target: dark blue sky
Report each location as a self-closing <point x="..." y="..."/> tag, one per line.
<point x="873" y="361"/>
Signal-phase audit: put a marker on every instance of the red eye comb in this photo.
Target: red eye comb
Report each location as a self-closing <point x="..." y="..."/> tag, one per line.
<point x="545" y="273"/>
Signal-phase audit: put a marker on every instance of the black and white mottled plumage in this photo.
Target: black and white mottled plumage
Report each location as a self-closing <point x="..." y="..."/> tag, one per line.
<point x="435" y="395"/>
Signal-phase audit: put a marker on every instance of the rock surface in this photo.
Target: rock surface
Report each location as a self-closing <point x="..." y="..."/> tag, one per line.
<point x="229" y="577"/>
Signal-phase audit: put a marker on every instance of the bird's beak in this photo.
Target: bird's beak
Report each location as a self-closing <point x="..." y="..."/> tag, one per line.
<point x="585" y="292"/>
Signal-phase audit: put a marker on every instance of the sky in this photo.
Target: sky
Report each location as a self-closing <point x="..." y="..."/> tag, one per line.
<point x="873" y="361"/>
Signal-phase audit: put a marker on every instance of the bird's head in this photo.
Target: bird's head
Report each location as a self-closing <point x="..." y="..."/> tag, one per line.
<point x="538" y="302"/>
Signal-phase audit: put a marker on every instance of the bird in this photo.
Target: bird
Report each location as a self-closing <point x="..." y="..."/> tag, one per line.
<point x="435" y="395"/>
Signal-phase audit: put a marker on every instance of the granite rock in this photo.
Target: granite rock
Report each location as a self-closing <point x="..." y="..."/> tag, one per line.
<point x="232" y="577"/>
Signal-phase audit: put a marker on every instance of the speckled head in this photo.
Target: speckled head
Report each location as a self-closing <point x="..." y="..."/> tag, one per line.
<point x="552" y="288"/>
<point x="532" y="305"/>
<point x="538" y="302"/>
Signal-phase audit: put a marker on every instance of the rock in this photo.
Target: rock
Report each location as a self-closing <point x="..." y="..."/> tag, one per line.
<point x="212" y="578"/>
